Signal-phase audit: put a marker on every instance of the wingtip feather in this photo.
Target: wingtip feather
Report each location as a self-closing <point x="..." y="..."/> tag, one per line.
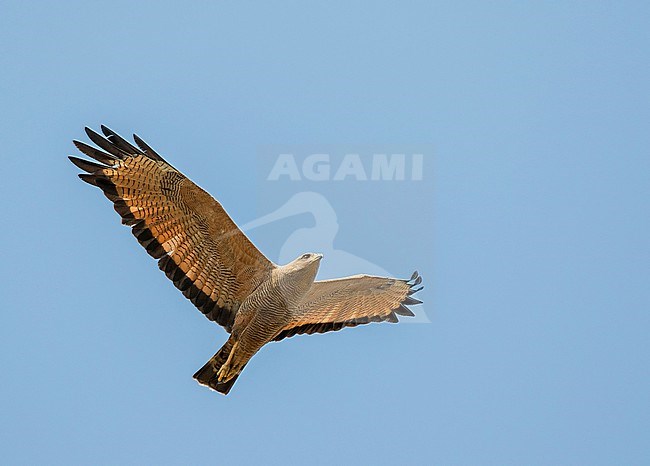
<point x="90" y="179"/>
<point x="149" y="152"/>
<point x="85" y="165"/>
<point x="105" y="144"/>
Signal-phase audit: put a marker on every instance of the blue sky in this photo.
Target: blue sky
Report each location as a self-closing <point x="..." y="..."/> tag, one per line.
<point x="530" y="228"/>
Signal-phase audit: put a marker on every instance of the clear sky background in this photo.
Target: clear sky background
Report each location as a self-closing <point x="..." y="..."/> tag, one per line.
<point x="532" y="238"/>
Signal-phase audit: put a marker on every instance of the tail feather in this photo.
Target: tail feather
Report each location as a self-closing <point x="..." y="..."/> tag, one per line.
<point x="207" y="375"/>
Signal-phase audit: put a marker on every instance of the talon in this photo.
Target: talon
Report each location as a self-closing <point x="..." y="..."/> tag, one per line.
<point x="222" y="374"/>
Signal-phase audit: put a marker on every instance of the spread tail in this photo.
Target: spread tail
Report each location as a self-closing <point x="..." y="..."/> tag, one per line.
<point x="207" y="375"/>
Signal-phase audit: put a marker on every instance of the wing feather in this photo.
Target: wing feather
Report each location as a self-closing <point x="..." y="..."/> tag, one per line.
<point x="331" y="305"/>
<point x="197" y="244"/>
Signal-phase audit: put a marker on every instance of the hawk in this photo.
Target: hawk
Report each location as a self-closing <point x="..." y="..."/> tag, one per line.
<point x="216" y="267"/>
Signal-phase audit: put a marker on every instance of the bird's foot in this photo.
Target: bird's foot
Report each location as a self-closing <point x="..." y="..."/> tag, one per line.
<point x="226" y="371"/>
<point x="222" y="374"/>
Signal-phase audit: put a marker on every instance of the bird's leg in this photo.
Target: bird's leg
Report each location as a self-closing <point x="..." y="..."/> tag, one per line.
<point x="223" y="375"/>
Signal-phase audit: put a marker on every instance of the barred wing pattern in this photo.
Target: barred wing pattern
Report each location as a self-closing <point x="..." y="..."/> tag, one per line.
<point x="330" y="305"/>
<point x="197" y="244"/>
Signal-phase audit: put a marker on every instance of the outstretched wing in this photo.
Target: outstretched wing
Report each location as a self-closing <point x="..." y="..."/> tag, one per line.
<point x="198" y="245"/>
<point x="330" y="305"/>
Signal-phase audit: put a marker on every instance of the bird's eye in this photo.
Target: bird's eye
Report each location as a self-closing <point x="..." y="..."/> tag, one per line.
<point x="306" y="256"/>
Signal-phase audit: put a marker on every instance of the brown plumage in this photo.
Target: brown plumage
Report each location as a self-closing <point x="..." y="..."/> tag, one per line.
<point x="219" y="270"/>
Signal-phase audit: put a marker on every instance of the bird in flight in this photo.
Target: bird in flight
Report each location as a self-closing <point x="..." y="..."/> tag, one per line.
<point x="215" y="266"/>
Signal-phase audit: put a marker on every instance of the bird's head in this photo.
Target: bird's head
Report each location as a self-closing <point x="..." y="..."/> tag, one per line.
<point x="303" y="268"/>
<point x="308" y="258"/>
